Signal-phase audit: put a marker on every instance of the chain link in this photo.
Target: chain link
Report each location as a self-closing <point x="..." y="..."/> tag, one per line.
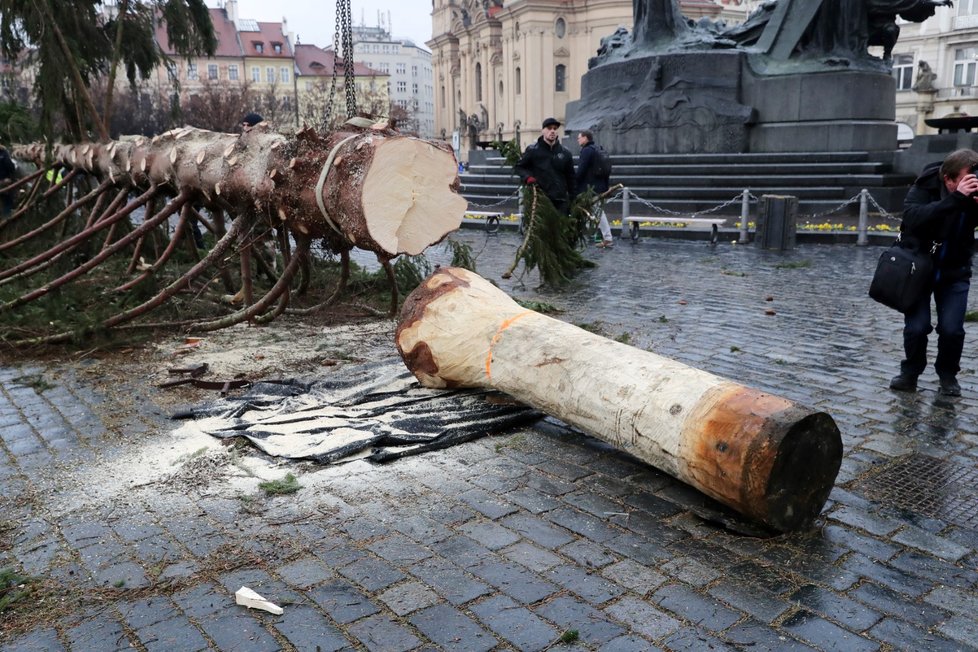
<point x="882" y="211"/>
<point x="342" y="43"/>
<point x="472" y="204"/>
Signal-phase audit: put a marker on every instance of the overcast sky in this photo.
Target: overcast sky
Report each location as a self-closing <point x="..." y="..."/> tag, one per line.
<point x="314" y="21"/>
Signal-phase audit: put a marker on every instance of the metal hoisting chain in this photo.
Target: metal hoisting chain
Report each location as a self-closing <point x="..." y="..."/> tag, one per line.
<point x="342" y="48"/>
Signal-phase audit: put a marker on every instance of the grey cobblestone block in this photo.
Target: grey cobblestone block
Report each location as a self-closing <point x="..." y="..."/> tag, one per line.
<point x="596" y="505"/>
<point x="642" y="618"/>
<point x="754" y="636"/>
<point x="398" y="549"/>
<point x="628" y="644"/>
<point x="421" y="529"/>
<point x="532" y="557"/>
<point x="867" y="545"/>
<point x="634" y="576"/>
<point x="937" y="571"/>
<point x="159" y="626"/>
<point x="381" y="634"/>
<point x="310" y="631"/>
<point x="537" y="530"/>
<point x="547" y="485"/>
<point x="408" y="597"/>
<point x="769" y="579"/>
<point x="849" y="613"/>
<point x="930" y="543"/>
<point x="453" y="630"/>
<point x="304" y="572"/>
<point x="757" y="602"/>
<point x="342" y="602"/>
<point x="491" y="535"/>
<point x="361" y="528"/>
<point x="583" y="524"/>
<point x="533" y="501"/>
<point x="592" y="626"/>
<point x="372" y="574"/>
<point x="893" y="603"/>
<point x="649" y="502"/>
<point x="514" y="623"/>
<point x="449" y="513"/>
<point x="904" y="636"/>
<point x="690" y="571"/>
<point x="513" y="580"/>
<point x="487" y="504"/>
<point x="689" y="638"/>
<point x="445" y="578"/>
<point x="565" y="470"/>
<point x="39" y="640"/>
<point x="820" y="632"/>
<point x="638" y="549"/>
<point x="961" y="628"/>
<point x="588" y="554"/>
<point x="463" y="551"/>
<point x="126" y="574"/>
<point x="690" y="606"/>
<point x="954" y="600"/>
<point x="339" y="555"/>
<point x="593" y="588"/>
<point x="100" y="634"/>
<point x="886" y="574"/>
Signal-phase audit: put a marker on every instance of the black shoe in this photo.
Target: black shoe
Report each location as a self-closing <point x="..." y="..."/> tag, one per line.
<point x="950" y="386"/>
<point x="904" y="383"/>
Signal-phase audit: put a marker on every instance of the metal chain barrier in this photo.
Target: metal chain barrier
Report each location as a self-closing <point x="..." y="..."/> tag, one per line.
<point x="882" y="211"/>
<point x="472" y="204"/>
<point x="851" y="200"/>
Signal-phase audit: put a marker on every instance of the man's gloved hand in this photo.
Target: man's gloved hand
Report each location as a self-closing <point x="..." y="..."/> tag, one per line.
<point x="531" y="180"/>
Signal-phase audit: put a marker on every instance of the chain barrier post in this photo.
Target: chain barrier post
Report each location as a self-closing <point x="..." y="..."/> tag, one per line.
<point x="744" y="215"/>
<point x="862" y="240"/>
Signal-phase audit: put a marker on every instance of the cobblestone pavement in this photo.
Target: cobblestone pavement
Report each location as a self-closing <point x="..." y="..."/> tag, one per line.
<point x="515" y="542"/>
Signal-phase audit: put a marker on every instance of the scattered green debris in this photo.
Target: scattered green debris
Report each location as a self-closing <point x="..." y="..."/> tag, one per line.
<point x="734" y="349"/>
<point x="971" y="315"/>
<point x="663" y="319"/>
<point x="35" y="382"/>
<point x="461" y="255"/>
<point x="119" y="584"/>
<point x="570" y="636"/>
<point x="794" y="264"/>
<point x="624" y="338"/>
<point x="13" y="588"/>
<point x="284" y="486"/>
<point x="539" y="306"/>
<point x="730" y="272"/>
<point x="591" y="327"/>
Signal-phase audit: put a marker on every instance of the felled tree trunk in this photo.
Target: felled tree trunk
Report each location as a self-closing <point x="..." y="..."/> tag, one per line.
<point x="375" y="189"/>
<point x="764" y="456"/>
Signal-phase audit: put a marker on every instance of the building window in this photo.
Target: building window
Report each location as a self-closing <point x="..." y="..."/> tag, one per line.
<point x="283" y="74"/>
<point x="903" y="71"/>
<point x="270" y="75"/>
<point x="191" y="70"/>
<point x="233" y="72"/>
<point x="308" y="85"/>
<point x="967" y="7"/>
<point x="478" y="82"/>
<point x="212" y="71"/>
<point x="255" y="74"/>
<point x="259" y="47"/>
<point x="414" y="71"/>
<point x="414" y="89"/>
<point x="560" y="28"/>
<point x="385" y="68"/>
<point x="519" y="81"/>
<point x="443" y="94"/>
<point x="277" y="47"/>
<point x="401" y="69"/>
<point x="560" y="78"/>
<point x="402" y="87"/>
<point x="500" y="88"/>
<point x="964" y="66"/>
<point x="172" y="72"/>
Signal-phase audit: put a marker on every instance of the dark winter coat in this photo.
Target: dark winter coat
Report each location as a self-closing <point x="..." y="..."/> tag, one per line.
<point x="7" y="167"/>
<point x="552" y="167"/>
<point x="932" y="214"/>
<point x="586" y="173"/>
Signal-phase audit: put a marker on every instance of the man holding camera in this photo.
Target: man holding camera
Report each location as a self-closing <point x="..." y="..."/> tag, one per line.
<point x="941" y="212"/>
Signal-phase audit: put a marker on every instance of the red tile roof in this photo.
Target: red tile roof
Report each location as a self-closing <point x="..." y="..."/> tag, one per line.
<point x="268" y="35"/>
<point x="314" y="60"/>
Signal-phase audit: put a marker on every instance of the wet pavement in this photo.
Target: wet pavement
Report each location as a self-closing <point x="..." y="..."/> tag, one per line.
<point x="542" y="538"/>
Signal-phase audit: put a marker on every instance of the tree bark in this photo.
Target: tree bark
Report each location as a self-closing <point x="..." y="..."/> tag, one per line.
<point x="766" y="457"/>
<point x="383" y="192"/>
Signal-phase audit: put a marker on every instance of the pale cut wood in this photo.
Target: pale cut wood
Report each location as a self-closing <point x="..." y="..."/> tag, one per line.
<point x="765" y="456"/>
<point x="248" y="598"/>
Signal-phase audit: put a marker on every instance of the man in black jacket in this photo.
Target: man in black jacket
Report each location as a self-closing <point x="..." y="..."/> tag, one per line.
<point x="8" y="171"/>
<point x="588" y="176"/>
<point x="941" y="212"/>
<point x="550" y="166"/>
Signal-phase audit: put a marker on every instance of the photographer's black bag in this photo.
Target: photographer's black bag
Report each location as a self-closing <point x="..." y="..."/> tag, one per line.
<point x="903" y="275"/>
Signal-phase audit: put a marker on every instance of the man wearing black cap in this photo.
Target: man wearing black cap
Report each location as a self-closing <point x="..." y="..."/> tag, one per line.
<point x="551" y="167"/>
<point x="250" y="121"/>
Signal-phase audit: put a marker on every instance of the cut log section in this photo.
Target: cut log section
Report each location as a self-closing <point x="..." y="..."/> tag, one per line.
<point x="377" y="190"/>
<point x="767" y="457"/>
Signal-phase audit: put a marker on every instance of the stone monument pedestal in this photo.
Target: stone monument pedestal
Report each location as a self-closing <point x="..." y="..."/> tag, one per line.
<point x="714" y="102"/>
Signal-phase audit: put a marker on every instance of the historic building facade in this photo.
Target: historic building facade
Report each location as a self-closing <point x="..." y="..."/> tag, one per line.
<point x="500" y="67"/>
